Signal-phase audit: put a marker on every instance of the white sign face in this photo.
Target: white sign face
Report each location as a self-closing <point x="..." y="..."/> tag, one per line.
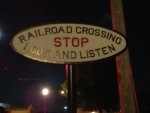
<point x="68" y="43"/>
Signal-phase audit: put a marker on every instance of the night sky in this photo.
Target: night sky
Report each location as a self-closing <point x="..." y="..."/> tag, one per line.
<point x="21" y="79"/>
<point x="137" y="18"/>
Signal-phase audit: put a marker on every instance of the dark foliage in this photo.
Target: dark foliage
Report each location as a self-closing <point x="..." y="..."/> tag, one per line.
<point x="97" y="86"/>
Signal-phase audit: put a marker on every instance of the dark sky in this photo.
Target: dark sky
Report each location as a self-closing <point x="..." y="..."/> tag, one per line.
<point x="137" y="32"/>
<point x="18" y="72"/>
<point x="137" y="18"/>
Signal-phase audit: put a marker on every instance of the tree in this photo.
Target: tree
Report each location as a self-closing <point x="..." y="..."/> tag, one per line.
<point x="3" y="110"/>
<point x="97" y="86"/>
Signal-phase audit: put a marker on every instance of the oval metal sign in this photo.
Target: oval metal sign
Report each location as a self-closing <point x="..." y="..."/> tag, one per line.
<point x="68" y="43"/>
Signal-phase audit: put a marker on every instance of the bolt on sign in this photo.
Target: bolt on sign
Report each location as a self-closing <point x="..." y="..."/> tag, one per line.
<point x="68" y="43"/>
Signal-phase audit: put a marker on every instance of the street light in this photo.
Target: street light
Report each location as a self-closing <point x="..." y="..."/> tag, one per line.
<point x="45" y="92"/>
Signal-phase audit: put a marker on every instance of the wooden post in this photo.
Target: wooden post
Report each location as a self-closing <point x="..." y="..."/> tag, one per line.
<point x="128" y="101"/>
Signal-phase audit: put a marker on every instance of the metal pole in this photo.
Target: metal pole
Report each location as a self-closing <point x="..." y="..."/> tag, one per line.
<point x="128" y="101"/>
<point x="44" y="104"/>
<point x="71" y="90"/>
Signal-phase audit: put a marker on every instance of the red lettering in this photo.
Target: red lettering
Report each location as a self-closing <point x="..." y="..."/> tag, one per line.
<point x="75" y="42"/>
<point x="66" y="41"/>
<point x="57" y="41"/>
<point x="84" y="40"/>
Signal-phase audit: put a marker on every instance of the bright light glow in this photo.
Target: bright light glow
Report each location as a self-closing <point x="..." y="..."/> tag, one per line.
<point x="62" y="92"/>
<point x="45" y="91"/>
<point x="4" y="105"/>
<point x="93" y="112"/>
<point x="65" y="107"/>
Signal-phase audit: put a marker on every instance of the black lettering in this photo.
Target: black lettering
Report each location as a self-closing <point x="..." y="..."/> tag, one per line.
<point x="69" y="29"/>
<point x="22" y="38"/>
<point x="91" y="31"/>
<point x="107" y="37"/>
<point x="73" y="55"/>
<point x="78" y="30"/>
<point x="91" y="52"/>
<point x="118" y="40"/>
<point x="39" y="32"/>
<point x="81" y="55"/>
<point x="65" y="54"/>
<point x="54" y="30"/>
<point x="111" y="48"/>
<point x="98" y="51"/>
<point x="30" y="35"/>
<point x="36" y="33"/>
<point x="111" y="37"/>
<point x="47" y="31"/>
<point x="97" y="32"/>
<point x="103" y="34"/>
<point x="85" y="30"/>
<point x="104" y="50"/>
<point x="61" y="30"/>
